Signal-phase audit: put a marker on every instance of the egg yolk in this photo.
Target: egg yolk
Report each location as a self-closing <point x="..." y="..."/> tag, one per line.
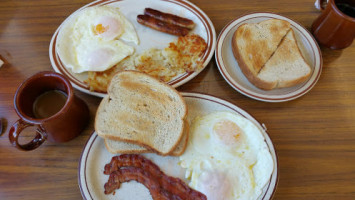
<point x="108" y="28"/>
<point x="228" y="132"/>
<point x="214" y="185"/>
<point x="99" y="29"/>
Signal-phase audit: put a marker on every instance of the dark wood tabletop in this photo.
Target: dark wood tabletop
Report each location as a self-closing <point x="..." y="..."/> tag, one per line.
<point x="314" y="135"/>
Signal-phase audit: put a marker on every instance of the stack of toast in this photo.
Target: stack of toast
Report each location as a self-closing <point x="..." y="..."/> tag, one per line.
<point x="141" y="114"/>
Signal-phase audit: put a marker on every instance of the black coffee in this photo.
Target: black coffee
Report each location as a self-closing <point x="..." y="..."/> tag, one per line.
<point x="49" y="103"/>
<point x="346" y="9"/>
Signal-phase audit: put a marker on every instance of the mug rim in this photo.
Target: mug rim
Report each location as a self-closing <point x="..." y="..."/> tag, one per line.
<point x="333" y="4"/>
<point x="24" y="84"/>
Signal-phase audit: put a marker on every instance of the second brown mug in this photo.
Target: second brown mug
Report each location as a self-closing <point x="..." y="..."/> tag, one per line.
<point x="335" y="26"/>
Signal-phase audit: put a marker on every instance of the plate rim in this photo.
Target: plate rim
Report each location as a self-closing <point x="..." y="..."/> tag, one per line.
<point x="58" y="66"/>
<point x="252" y="94"/>
<point x="274" y="179"/>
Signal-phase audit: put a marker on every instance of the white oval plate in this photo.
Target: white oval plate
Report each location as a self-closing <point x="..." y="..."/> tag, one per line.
<point x="149" y="38"/>
<point x="95" y="156"/>
<point x="229" y="68"/>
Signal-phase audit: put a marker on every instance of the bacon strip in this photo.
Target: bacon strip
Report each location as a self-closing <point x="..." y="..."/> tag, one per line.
<point x="162" y="26"/>
<point x="170" y="18"/>
<point x="133" y="160"/>
<point x="136" y="174"/>
<point x="170" y="184"/>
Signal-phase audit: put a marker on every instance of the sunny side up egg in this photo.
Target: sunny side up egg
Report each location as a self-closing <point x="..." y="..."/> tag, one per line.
<point x="95" y="39"/>
<point x="227" y="157"/>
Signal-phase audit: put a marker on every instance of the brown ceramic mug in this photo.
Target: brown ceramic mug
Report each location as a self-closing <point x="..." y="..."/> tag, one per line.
<point x="335" y="27"/>
<point x="34" y="101"/>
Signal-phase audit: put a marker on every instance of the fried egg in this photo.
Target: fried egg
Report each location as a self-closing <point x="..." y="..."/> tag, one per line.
<point x="95" y="39"/>
<point x="227" y="157"/>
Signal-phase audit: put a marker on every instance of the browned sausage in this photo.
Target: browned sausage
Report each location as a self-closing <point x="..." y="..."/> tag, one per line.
<point x="170" y="18"/>
<point x="162" y="26"/>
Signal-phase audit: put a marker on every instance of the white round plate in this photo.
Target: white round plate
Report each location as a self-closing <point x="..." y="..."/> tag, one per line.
<point x="148" y="37"/>
<point x="95" y="156"/>
<point x="229" y="68"/>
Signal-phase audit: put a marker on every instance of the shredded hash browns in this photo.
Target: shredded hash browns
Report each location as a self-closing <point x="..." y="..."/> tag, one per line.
<point x="183" y="55"/>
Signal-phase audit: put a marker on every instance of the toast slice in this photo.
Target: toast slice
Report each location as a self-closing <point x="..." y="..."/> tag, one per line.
<point x="253" y="45"/>
<point x="142" y="110"/>
<point x="116" y="147"/>
<point x="286" y="67"/>
<point x="180" y="149"/>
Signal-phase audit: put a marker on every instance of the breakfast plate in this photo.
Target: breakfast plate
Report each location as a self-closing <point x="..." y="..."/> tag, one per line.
<point x="94" y="156"/>
<point x="148" y="38"/>
<point x="229" y="68"/>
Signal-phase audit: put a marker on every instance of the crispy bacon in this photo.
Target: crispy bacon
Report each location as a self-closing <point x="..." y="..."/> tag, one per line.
<point x="174" y="186"/>
<point x="133" y="173"/>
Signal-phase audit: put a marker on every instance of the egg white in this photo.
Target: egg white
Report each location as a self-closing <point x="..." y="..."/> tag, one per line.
<point x="78" y="43"/>
<point x="240" y="168"/>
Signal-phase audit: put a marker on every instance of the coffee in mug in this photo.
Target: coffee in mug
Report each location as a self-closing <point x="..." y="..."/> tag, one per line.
<point x="346" y="8"/>
<point x="46" y="100"/>
<point x="49" y="103"/>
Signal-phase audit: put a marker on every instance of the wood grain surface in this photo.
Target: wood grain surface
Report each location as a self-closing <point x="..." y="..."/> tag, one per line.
<point x="314" y="135"/>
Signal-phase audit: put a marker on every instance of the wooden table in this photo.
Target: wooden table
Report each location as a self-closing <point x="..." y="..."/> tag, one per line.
<point x="314" y="135"/>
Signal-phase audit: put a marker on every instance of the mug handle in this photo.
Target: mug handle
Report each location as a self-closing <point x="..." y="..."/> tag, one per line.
<point x="18" y="127"/>
<point x="321" y="4"/>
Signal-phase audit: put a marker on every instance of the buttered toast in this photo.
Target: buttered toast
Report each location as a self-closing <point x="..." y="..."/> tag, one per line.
<point x="253" y="44"/>
<point x="268" y="54"/>
<point x="286" y="67"/>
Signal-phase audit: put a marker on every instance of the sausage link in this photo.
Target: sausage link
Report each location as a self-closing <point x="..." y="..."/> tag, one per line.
<point x="162" y="26"/>
<point x="170" y="18"/>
